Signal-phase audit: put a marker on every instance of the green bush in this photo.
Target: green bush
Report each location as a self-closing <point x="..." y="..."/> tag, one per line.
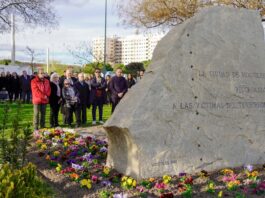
<point x="13" y="148"/>
<point x="22" y="183"/>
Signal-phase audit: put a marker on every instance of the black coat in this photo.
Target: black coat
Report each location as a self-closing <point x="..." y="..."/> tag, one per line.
<point x="84" y="93"/>
<point x="130" y="83"/>
<point x="98" y="86"/>
<point x="2" y="83"/>
<point x="8" y="83"/>
<point x="54" y="99"/>
<point x="25" y="83"/>
<point x="117" y="85"/>
<point x="15" y="84"/>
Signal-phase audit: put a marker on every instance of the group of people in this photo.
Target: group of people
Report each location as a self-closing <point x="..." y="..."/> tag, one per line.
<point x="15" y="87"/>
<point x="72" y="95"/>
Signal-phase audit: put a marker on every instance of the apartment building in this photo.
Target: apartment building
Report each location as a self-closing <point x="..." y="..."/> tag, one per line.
<point x="124" y="50"/>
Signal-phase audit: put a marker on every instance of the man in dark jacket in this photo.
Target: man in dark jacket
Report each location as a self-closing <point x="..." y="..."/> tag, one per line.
<point x="9" y="86"/>
<point x="118" y="88"/>
<point x="55" y="100"/>
<point x="98" y="95"/>
<point x="82" y="87"/>
<point x="25" y="87"/>
<point x="15" y="86"/>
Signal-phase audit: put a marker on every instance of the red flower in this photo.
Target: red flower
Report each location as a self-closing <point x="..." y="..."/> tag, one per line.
<point x="188" y="180"/>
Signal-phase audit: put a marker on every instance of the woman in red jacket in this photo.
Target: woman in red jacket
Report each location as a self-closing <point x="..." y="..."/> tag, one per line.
<point x="41" y="91"/>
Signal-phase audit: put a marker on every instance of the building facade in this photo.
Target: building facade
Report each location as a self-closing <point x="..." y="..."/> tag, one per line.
<point x="124" y="50"/>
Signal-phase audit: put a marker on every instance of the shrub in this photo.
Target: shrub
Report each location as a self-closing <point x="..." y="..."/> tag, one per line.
<point x="22" y="183"/>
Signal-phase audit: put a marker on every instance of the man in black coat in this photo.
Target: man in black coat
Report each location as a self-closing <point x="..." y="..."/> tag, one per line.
<point x="68" y="74"/>
<point x="98" y="95"/>
<point x="9" y="86"/>
<point x="15" y="86"/>
<point x="25" y="86"/>
<point x="82" y="87"/>
<point x="55" y="100"/>
<point x="118" y="88"/>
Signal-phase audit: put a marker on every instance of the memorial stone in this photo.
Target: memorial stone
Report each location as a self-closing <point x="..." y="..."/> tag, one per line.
<point x="200" y="105"/>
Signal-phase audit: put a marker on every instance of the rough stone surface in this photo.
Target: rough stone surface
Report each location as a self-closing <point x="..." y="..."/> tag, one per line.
<point x="201" y="104"/>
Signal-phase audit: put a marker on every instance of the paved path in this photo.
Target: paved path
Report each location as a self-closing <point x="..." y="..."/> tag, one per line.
<point x="97" y="131"/>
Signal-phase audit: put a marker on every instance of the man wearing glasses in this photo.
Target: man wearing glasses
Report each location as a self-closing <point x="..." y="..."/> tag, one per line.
<point x="98" y="95"/>
<point x="41" y="91"/>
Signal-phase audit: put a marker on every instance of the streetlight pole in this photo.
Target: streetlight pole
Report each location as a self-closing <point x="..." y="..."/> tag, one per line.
<point x="105" y="38"/>
<point x="13" y="41"/>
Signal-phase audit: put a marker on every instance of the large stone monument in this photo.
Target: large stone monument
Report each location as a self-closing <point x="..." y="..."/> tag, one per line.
<point x="201" y="104"/>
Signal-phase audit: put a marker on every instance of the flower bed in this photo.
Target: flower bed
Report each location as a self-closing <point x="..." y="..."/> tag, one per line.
<point x="83" y="160"/>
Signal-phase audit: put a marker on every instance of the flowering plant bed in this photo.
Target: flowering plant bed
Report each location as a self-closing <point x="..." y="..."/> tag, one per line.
<point x="81" y="161"/>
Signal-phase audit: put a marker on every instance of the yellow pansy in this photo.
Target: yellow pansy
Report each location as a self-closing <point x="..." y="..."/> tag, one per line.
<point x="56" y="153"/>
<point x="254" y="174"/>
<point x="106" y="170"/>
<point x="124" y="178"/>
<point x="59" y="167"/>
<point x="129" y="181"/>
<point x="134" y="183"/>
<point x="166" y="179"/>
<point x="86" y="182"/>
<point x="43" y="147"/>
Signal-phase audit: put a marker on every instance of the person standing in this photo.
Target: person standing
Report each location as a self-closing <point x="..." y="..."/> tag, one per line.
<point x="25" y="87"/>
<point x="118" y="88"/>
<point x="9" y="86"/>
<point x="55" y="100"/>
<point x="2" y="81"/>
<point x="140" y="75"/>
<point x="3" y="91"/>
<point x="108" y="93"/>
<point x="15" y="86"/>
<point x="88" y="79"/>
<point x="82" y="87"/>
<point x="69" y="76"/>
<point x="41" y="91"/>
<point x="98" y="95"/>
<point x="130" y="81"/>
<point x="70" y="97"/>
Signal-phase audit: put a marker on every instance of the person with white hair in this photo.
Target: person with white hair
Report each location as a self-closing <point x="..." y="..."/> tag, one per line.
<point x="71" y="101"/>
<point x="55" y="100"/>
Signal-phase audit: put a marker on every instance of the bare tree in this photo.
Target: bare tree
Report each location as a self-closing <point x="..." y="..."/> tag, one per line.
<point x="154" y="13"/>
<point x="83" y="53"/>
<point x="35" y="12"/>
<point x="32" y="54"/>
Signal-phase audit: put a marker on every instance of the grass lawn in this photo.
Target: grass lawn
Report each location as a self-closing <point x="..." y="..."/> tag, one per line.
<point x="26" y="115"/>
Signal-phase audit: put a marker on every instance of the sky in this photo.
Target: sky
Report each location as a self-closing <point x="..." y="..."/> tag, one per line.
<point x="79" y="21"/>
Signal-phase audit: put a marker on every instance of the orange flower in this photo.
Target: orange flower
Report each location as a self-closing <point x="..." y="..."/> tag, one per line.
<point x="48" y="157"/>
<point x="227" y="171"/>
<point x="74" y="176"/>
<point x="152" y="179"/>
